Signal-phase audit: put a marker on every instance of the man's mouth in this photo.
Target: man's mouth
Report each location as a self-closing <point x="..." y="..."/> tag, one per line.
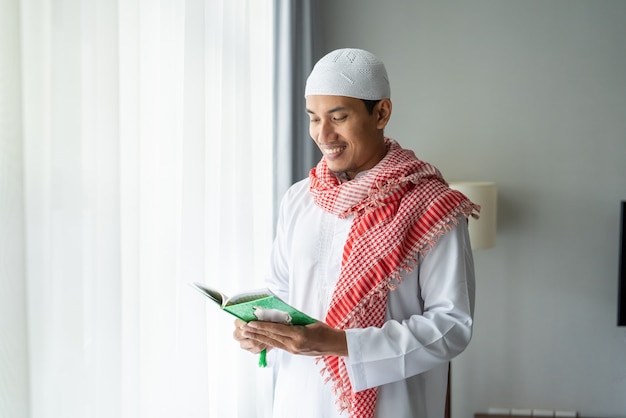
<point x="329" y="152"/>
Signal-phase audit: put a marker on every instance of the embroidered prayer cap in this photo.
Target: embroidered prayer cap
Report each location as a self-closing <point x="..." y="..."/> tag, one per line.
<point x="349" y="72"/>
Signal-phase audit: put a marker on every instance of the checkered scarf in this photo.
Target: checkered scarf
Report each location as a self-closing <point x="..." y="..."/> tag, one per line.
<point x="400" y="207"/>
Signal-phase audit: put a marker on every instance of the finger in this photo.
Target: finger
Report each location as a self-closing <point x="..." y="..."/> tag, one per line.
<point x="238" y="333"/>
<point x="252" y="346"/>
<point x="238" y="323"/>
<point x="249" y="344"/>
<point x="271" y="329"/>
<point x="285" y="337"/>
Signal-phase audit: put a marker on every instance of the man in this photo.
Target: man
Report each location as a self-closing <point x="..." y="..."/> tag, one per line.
<point x="374" y="244"/>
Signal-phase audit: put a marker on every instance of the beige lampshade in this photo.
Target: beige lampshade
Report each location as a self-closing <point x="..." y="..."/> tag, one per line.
<point x="482" y="231"/>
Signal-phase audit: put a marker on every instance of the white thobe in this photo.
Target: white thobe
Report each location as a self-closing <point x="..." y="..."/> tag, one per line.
<point x="428" y="318"/>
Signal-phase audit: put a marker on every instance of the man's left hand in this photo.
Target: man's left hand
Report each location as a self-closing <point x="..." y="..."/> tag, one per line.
<point x="316" y="339"/>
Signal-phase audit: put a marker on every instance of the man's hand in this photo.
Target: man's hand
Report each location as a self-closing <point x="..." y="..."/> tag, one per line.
<point x="316" y="339"/>
<point x="248" y="344"/>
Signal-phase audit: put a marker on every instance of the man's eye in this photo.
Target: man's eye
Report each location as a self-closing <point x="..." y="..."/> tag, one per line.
<point x="340" y="118"/>
<point x="314" y="120"/>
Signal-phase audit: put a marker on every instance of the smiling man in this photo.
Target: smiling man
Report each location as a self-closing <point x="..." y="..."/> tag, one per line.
<point x="350" y="137"/>
<point x="375" y="245"/>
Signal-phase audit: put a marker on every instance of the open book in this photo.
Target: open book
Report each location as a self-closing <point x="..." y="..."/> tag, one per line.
<point x="256" y="305"/>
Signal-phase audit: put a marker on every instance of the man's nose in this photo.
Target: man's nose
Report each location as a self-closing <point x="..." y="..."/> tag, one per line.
<point x="325" y="132"/>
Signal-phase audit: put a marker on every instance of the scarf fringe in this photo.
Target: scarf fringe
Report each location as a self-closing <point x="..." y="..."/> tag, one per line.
<point x="343" y="392"/>
<point x="344" y="395"/>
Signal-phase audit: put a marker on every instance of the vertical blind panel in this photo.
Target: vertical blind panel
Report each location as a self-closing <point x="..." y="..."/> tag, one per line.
<point x="14" y="397"/>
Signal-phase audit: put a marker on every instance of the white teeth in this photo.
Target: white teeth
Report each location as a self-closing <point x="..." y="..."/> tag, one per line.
<point x="333" y="150"/>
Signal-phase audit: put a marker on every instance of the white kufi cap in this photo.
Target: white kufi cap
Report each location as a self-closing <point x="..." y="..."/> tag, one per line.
<point x="351" y="73"/>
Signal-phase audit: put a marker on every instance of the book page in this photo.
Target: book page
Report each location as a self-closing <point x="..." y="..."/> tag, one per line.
<point x="212" y="294"/>
<point x="248" y="296"/>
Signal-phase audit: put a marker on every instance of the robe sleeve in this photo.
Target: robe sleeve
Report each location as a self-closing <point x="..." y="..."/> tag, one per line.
<point x="277" y="278"/>
<point x="440" y="328"/>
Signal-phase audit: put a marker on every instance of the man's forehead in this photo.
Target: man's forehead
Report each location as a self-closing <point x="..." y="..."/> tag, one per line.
<point x="327" y="104"/>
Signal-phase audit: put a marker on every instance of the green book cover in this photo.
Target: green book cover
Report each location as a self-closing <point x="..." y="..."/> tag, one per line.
<point x="256" y="305"/>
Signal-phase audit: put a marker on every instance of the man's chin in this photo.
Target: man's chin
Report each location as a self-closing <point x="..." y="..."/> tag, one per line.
<point x="340" y="174"/>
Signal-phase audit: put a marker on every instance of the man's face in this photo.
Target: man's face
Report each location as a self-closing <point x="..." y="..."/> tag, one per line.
<point x="350" y="139"/>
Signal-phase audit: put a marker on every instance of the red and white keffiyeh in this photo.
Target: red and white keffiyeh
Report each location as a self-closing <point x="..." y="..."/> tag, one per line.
<point x="400" y="207"/>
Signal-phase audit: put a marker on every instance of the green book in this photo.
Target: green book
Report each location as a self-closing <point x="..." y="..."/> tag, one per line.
<point x="256" y="305"/>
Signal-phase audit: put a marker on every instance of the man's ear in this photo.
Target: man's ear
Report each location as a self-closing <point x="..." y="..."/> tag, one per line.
<point x="383" y="113"/>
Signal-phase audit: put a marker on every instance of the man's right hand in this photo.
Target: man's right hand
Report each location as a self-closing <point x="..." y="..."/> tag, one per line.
<point x="247" y="344"/>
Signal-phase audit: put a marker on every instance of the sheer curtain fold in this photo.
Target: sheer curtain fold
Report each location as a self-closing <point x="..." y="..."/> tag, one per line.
<point x="147" y="166"/>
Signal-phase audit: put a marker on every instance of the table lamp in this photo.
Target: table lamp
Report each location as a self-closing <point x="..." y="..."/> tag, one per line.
<point x="482" y="231"/>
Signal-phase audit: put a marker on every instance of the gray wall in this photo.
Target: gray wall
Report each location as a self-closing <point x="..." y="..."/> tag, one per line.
<point x="532" y="95"/>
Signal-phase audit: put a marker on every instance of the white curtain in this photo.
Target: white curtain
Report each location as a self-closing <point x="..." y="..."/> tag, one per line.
<point x="147" y="161"/>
